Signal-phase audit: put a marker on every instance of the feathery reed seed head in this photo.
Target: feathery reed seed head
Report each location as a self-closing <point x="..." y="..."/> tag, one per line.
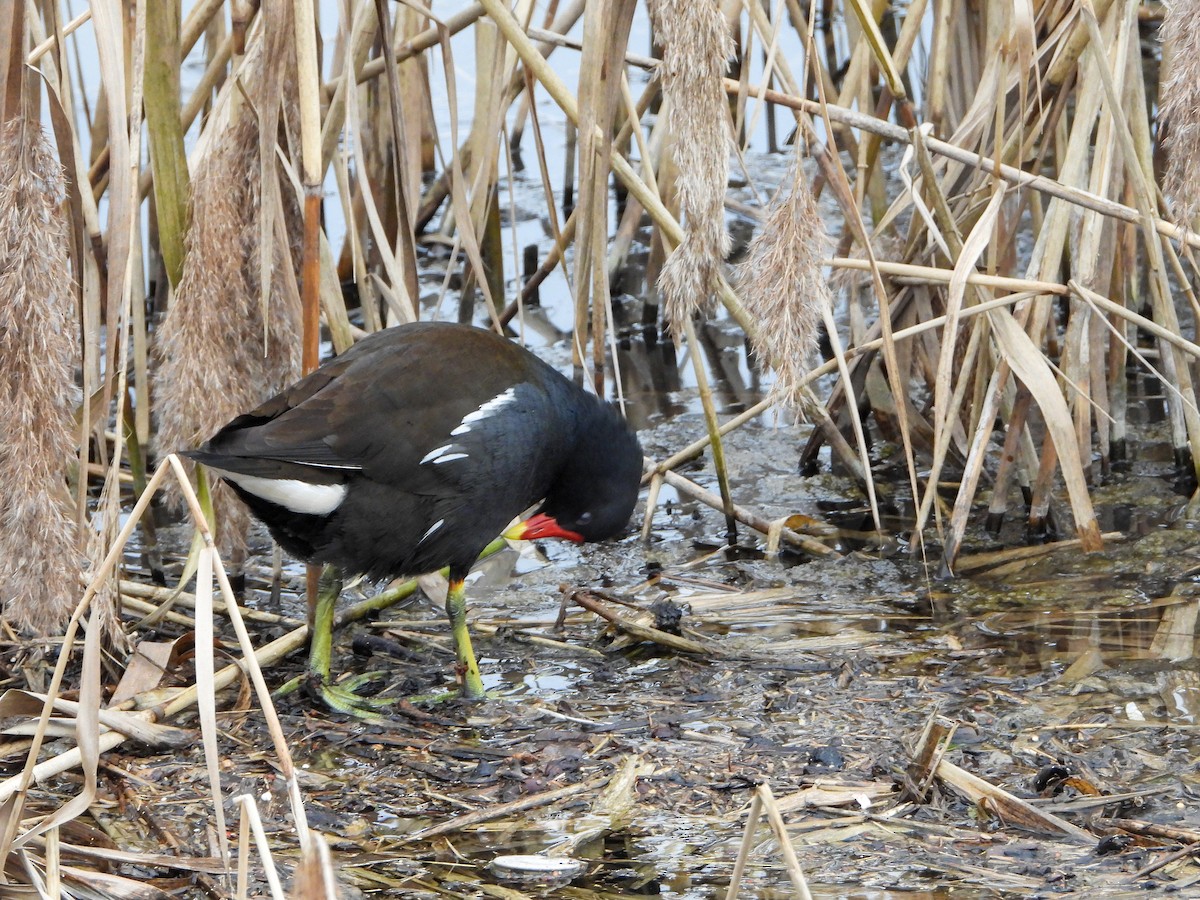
<point x="781" y="285"/>
<point x="1180" y="108"/>
<point x="696" y="49"/>
<point x="40" y="559"/>
<point x="212" y="362"/>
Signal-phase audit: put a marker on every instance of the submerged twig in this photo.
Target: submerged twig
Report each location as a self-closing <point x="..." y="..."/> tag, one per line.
<point x="500" y="810"/>
<point x="591" y="602"/>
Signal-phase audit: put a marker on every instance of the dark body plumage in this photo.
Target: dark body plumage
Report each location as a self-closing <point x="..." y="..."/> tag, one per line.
<point x="416" y="447"/>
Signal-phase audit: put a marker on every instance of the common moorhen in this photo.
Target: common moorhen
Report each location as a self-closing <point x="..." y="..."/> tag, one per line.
<point x="412" y="450"/>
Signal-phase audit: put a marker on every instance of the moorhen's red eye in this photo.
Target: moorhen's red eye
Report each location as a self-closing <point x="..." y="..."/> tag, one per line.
<point x="413" y="449"/>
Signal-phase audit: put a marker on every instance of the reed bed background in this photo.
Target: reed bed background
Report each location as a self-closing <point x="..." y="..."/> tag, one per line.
<point x="1001" y="256"/>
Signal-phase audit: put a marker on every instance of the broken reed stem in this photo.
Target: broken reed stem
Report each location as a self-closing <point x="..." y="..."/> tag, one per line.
<point x="714" y="430"/>
<point x="499" y="810"/>
<point x="739" y="865"/>
<point x="914" y="274"/>
<point x="745" y="516"/>
<point x="971" y="562"/>
<point x="929" y="762"/>
<point x="152" y="592"/>
<point x="763" y="791"/>
<point x="206" y="699"/>
<point x="642" y="632"/>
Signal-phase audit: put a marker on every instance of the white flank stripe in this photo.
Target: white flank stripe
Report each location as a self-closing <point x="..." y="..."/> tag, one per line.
<point x="489" y="408"/>
<point x="432" y="528"/>
<point x="291" y="493"/>
<point x="449" y="457"/>
<point x="434" y="454"/>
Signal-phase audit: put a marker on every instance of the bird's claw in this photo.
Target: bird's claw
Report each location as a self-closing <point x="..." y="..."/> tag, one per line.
<point x="342" y="697"/>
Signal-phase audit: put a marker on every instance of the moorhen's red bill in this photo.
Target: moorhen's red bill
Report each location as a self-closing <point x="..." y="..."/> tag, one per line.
<point x="412" y="450"/>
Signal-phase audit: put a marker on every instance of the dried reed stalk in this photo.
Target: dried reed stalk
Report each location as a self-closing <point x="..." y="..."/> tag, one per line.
<point x="1180" y="108"/>
<point x="40" y="556"/>
<point x="782" y="286"/>
<point x="315" y="877"/>
<point x="696" y="45"/>
<point x="219" y="352"/>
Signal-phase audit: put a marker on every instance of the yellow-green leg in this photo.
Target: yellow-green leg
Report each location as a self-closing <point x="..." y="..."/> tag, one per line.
<point x="338" y="697"/>
<point x="470" y="683"/>
<point x="341" y="697"/>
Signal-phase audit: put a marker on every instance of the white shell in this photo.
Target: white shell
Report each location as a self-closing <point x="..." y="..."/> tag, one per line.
<point x="537" y="869"/>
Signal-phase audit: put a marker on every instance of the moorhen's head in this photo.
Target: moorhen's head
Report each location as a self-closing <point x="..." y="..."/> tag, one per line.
<point x="593" y="496"/>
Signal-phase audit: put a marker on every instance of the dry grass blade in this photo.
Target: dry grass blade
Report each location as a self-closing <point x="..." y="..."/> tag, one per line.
<point x="879" y="49"/>
<point x="251" y="658"/>
<point x="165" y="129"/>
<point x="249" y="810"/>
<point x="308" y="78"/>
<point x="1029" y="365"/>
<point x="207" y="694"/>
<point x="606" y="33"/>
<point x="946" y="412"/>
<point x="87" y="740"/>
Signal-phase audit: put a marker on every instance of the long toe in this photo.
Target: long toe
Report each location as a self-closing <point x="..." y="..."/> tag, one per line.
<point x="342" y="697"/>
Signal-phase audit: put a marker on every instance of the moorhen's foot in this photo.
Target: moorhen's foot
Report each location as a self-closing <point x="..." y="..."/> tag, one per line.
<point x="342" y="697"/>
<point x="470" y="685"/>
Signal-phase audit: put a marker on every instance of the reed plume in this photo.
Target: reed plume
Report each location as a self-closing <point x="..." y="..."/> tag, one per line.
<point x="696" y="47"/>
<point x="781" y="285"/>
<point x="218" y="352"/>
<point x="40" y="558"/>
<point x="1180" y="108"/>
